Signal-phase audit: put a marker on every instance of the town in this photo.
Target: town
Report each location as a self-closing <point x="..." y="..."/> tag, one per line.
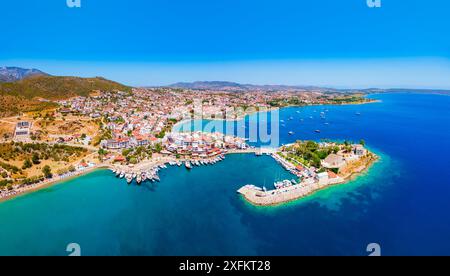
<point x="131" y="131"/>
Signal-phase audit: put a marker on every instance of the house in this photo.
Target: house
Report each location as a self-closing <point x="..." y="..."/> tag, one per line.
<point x="119" y="143"/>
<point x="322" y="177"/>
<point x="119" y="158"/>
<point x="333" y="161"/>
<point x="22" y="131"/>
<point x="359" y="150"/>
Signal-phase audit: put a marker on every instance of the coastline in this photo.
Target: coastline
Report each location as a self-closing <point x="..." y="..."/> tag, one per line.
<point x="290" y="194"/>
<point x="51" y="182"/>
<point x="249" y="197"/>
<point x="184" y="121"/>
<point x="58" y="179"/>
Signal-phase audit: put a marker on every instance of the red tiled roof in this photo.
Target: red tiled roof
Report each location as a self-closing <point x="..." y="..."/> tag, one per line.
<point x="332" y="174"/>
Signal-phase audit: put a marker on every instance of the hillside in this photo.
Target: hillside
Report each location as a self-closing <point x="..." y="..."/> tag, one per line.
<point x="233" y="86"/>
<point x="56" y="88"/>
<point x="27" y="94"/>
<point x="10" y="74"/>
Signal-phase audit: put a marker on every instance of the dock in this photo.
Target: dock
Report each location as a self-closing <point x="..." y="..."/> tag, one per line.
<point x="258" y="196"/>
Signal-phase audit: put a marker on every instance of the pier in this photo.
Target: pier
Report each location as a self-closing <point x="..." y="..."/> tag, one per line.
<point x="258" y="196"/>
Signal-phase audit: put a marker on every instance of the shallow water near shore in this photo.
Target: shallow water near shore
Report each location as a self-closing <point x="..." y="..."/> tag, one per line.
<point x="401" y="203"/>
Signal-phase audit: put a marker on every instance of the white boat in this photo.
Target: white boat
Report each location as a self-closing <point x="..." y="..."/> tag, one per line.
<point x="188" y="165"/>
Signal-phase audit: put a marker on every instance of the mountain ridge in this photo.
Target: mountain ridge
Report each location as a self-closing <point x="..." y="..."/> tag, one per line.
<point x="228" y="85"/>
<point x="12" y="74"/>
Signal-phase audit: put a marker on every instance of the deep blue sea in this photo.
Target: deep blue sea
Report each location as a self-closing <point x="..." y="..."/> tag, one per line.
<point x="402" y="203"/>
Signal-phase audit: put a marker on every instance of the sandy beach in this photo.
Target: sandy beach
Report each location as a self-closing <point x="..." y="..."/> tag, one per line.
<point x="7" y="195"/>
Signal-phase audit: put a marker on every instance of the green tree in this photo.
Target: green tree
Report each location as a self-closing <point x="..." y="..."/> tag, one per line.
<point x="35" y="158"/>
<point x="362" y="142"/>
<point x="27" y="164"/>
<point x="158" y="147"/>
<point x="47" y="171"/>
<point x="315" y="160"/>
<point x="133" y="160"/>
<point x="312" y="146"/>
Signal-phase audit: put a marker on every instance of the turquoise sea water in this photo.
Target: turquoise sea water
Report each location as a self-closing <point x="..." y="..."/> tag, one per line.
<point x="401" y="203"/>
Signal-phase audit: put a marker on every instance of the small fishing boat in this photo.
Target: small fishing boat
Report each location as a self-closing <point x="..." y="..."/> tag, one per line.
<point x="317" y="131"/>
<point x="291" y="133"/>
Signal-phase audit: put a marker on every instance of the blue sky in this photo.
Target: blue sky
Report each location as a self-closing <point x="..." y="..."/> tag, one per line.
<point x="342" y="43"/>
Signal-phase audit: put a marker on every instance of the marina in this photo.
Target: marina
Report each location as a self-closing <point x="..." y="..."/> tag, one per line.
<point x="309" y="179"/>
<point x="149" y="171"/>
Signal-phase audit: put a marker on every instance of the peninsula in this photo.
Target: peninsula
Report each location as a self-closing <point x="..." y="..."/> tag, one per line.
<point x="316" y="166"/>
